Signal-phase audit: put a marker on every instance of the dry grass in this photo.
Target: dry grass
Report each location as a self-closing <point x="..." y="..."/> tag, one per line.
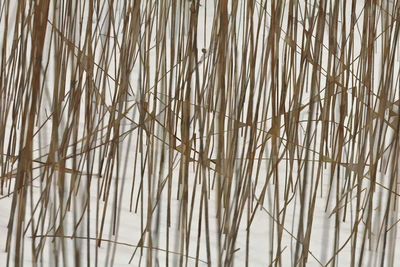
<point x="200" y="117"/>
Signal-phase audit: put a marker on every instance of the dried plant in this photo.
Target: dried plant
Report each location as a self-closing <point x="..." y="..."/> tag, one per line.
<point x="194" y="133"/>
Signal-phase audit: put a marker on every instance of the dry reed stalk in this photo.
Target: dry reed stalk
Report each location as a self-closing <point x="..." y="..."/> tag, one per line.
<point x="176" y="128"/>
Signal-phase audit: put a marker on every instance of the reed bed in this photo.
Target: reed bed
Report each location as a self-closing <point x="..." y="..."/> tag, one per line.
<point x="199" y="133"/>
